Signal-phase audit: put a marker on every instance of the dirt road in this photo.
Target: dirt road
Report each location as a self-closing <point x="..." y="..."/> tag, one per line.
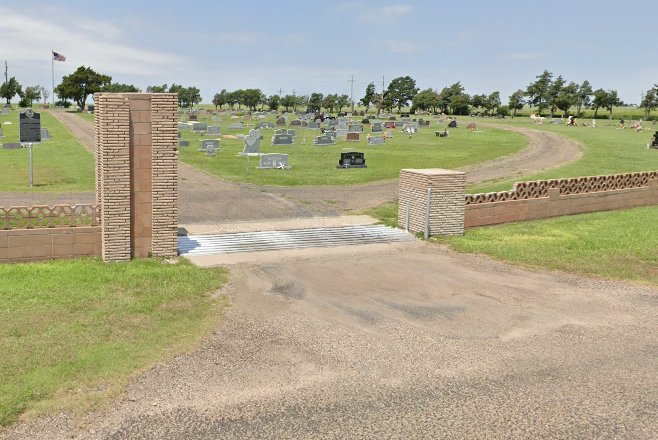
<point x="399" y="341"/>
<point x="206" y="199"/>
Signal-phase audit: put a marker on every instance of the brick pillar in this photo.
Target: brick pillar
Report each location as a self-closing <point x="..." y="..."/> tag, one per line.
<point x="137" y="174"/>
<point x="447" y="202"/>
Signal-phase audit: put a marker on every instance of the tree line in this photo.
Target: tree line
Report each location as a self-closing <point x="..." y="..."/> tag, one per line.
<point x="547" y="94"/>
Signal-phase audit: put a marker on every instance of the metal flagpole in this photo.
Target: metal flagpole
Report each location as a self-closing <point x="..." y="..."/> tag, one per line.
<point x="52" y="62"/>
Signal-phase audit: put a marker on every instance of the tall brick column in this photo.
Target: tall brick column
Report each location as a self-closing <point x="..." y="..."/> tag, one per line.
<point x="446" y="200"/>
<point x="137" y="174"/>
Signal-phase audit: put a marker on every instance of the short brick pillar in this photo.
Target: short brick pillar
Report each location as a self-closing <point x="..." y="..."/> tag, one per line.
<point x="137" y="174"/>
<point x="437" y="191"/>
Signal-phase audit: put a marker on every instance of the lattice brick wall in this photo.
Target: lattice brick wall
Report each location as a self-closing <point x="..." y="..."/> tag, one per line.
<point x="23" y="217"/>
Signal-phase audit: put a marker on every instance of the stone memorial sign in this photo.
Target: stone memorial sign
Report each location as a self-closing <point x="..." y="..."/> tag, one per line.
<point x="251" y="144"/>
<point x="209" y="143"/>
<point x="29" y="126"/>
<point x="313" y="125"/>
<point x="376" y="140"/>
<point x="324" y="139"/>
<point x="295" y="123"/>
<point x="352" y="137"/>
<point x="377" y="127"/>
<point x="273" y="160"/>
<point x="282" y="139"/>
<point x="182" y="143"/>
<point x="199" y="126"/>
<point x="11" y="146"/>
<point x="352" y="159"/>
<point x="280" y="121"/>
<point x="355" y="128"/>
<point x="236" y="126"/>
<point x="341" y="132"/>
<point x="214" y="130"/>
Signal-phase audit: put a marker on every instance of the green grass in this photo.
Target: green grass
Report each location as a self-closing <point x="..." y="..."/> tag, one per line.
<point x="72" y="332"/>
<point x="606" y="150"/>
<point x="60" y="164"/>
<point x="317" y="165"/>
<point x="614" y="244"/>
<point x="86" y="116"/>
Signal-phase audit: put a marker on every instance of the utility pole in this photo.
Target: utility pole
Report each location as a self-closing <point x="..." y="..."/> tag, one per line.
<point x="6" y="80"/>
<point x="280" y="91"/>
<point x="351" y="81"/>
<point x="381" y="99"/>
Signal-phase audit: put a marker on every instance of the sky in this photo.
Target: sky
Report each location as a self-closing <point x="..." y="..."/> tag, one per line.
<point x="306" y="46"/>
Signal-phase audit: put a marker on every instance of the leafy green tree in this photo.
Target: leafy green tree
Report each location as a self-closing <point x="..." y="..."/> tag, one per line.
<point x="515" y="101"/>
<point x="583" y="96"/>
<point x="369" y="97"/>
<point x="187" y="96"/>
<point x="274" y="102"/>
<point x="10" y="89"/>
<point x="600" y="99"/>
<point x="453" y="100"/>
<point x="650" y="101"/>
<point x="554" y="90"/>
<point x="251" y="98"/>
<point x="402" y="90"/>
<point x="342" y="101"/>
<point x="426" y="100"/>
<point x="612" y="101"/>
<point x="538" y="91"/>
<point x="300" y="101"/>
<point x="566" y="98"/>
<point x="315" y="102"/>
<point x="289" y="101"/>
<point x="220" y="99"/>
<point x="121" y="88"/>
<point x="460" y="104"/>
<point x="479" y="101"/>
<point x="30" y="94"/>
<point x="157" y="89"/>
<point x="329" y="102"/>
<point x="80" y="84"/>
<point x="492" y="102"/>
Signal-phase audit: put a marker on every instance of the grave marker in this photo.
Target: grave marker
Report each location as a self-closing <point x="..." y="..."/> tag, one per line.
<point x="209" y="143"/>
<point x="214" y="130"/>
<point x="199" y="126"/>
<point x="323" y="140"/>
<point x="376" y="140"/>
<point x="236" y="126"/>
<point x="182" y="143"/>
<point x="273" y="161"/>
<point x="377" y="127"/>
<point x="280" y="121"/>
<point x="355" y="128"/>
<point x="352" y="137"/>
<point x="282" y="139"/>
<point x="11" y="146"/>
<point x="251" y="144"/>
<point x="352" y="159"/>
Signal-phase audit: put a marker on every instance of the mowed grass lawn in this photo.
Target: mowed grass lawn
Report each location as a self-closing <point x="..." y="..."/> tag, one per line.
<point x="60" y="164"/>
<point x="606" y="150"/>
<point x="312" y="165"/>
<point x="72" y="332"/>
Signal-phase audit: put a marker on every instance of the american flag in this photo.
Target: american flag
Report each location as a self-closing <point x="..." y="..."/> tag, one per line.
<point x="58" y="57"/>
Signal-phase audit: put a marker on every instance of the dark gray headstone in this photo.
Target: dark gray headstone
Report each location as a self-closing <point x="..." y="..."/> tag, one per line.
<point x="355" y="128"/>
<point x="352" y="159"/>
<point x="280" y="121"/>
<point x="295" y="123"/>
<point x="273" y="160"/>
<point x="182" y="143"/>
<point x="313" y="125"/>
<point x="280" y="131"/>
<point x="324" y="139"/>
<point x="377" y="127"/>
<point x="282" y="139"/>
<point x="214" y="130"/>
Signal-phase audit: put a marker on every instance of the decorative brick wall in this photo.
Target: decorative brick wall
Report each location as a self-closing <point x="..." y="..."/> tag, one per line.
<point x="446" y="205"/>
<point x="137" y="173"/>
<point x="556" y="197"/>
<point x="22" y="245"/>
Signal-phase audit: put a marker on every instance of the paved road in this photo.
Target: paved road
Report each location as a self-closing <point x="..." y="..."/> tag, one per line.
<point x="399" y="341"/>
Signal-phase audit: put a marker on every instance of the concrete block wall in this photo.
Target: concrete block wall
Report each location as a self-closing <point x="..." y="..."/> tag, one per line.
<point x="137" y="173"/>
<point x="556" y="204"/>
<point x="446" y="202"/>
<point x="22" y="245"/>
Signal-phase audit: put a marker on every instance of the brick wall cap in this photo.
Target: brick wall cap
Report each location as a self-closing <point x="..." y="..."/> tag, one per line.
<point x="432" y="171"/>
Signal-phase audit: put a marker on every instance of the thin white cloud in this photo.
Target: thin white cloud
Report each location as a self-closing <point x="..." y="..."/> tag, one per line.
<point x="28" y="39"/>
<point x="396" y="10"/>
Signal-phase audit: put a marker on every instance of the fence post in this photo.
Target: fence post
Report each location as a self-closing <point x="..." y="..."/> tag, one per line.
<point x="427" y="213"/>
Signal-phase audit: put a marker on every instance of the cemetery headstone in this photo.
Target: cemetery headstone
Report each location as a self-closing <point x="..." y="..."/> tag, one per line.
<point x="193" y="117"/>
<point x="282" y="139"/>
<point x="376" y="140"/>
<point x="265" y="124"/>
<point x="236" y="126"/>
<point x="352" y="159"/>
<point x="355" y="128"/>
<point x="452" y="124"/>
<point x="1" y="133"/>
<point x="324" y="139"/>
<point x="556" y="121"/>
<point x="341" y="132"/>
<point x="295" y="123"/>
<point x="352" y="137"/>
<point x="377" y="127"/>
<point x="199" y="126"/>
<point x="280" y="131"/>
<point x="209" y="143"/>
<point x="251" y="144"/>
<point x="292" y="132"/>
<point x="182" y="143"/>
<point x="280" y="121"/>
<point x="304" y="124"/>
<point x="184" y="126"/>
<point x="11" y="146"/>
<point x="214" y="130"/>
<point x="273" y="160"/>
<point x="215" y="118"/>
<point x="211" y="150"/>
<point x="4" y="111"/>
<point x="390" y="124"/>
<point x="313" y="125"/>
<point x="365" y="121"/>
<point x="471" y="127"/>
